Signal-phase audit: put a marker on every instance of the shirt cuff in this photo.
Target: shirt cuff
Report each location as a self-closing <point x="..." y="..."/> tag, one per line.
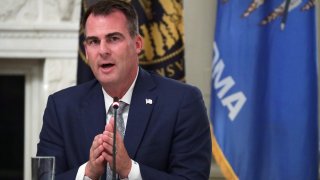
<point x="80" y="173"/>
<point x="134" y="173"/>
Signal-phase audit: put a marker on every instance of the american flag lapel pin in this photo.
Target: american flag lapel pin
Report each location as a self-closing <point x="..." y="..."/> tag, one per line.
<point x="148" y="101"/>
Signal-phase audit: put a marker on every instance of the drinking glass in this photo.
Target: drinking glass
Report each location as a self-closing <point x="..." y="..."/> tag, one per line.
<point x="42" y="167"/>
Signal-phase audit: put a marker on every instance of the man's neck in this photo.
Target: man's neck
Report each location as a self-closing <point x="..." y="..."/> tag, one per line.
<point x="120" y="89"/>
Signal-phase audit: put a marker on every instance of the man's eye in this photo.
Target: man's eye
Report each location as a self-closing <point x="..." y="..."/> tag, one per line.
<point x="113" y="39"/>
<point x="92" y="41"/>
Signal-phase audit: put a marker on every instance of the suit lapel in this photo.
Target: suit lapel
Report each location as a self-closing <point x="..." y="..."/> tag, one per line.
<point x="142" y="103"/>
<point x="92" y="113"/>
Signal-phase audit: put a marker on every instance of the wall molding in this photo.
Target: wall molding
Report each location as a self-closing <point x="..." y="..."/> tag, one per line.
<point x="39" y="41"/>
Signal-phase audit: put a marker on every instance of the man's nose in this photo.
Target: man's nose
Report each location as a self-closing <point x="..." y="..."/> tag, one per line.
<point x="104" y="48"/>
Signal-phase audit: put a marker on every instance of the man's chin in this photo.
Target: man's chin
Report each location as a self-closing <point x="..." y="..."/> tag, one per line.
<point x="106" y="80"/>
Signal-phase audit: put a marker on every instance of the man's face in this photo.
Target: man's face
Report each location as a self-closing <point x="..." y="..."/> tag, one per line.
<point x="110" y="50"/>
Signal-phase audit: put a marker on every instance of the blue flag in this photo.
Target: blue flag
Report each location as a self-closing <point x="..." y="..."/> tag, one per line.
<point x="264" y="90"/>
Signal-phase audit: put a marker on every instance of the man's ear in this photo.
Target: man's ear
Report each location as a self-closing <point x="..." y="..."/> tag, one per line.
<point x="139" y="43"/>
<point x="85" y="50"/>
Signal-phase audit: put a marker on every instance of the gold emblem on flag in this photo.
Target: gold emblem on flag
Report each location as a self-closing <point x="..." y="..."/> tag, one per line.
<point x="162" y="30"/>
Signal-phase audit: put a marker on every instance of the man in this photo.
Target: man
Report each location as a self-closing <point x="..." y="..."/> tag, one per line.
<point x="167" y="134"/>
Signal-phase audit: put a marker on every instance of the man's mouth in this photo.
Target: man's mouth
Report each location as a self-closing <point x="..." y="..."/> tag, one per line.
<point x="107" y="65"/>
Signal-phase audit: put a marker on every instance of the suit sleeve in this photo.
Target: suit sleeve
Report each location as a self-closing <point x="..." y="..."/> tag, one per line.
<point x="190" y="154"/>
<point x="52" y="142"/>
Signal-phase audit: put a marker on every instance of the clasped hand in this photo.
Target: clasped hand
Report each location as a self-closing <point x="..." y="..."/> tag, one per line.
<point x="101" y="153"/>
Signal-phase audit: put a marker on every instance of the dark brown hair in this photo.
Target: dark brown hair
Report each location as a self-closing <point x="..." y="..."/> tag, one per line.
<point x="106" y="7"/>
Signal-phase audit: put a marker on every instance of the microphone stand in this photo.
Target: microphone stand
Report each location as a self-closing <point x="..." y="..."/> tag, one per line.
<point x="115" y="106"/>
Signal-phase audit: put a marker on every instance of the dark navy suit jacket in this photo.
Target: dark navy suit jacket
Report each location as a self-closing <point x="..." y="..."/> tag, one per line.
<point x="170" y="138"/>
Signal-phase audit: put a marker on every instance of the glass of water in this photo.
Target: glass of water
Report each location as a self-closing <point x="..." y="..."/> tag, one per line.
<point x="42" y="167"/>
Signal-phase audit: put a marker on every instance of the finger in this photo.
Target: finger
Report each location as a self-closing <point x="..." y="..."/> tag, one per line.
<point x="95" y="143"/>
<point x="107" y="157"/>
<point x="108" y="134"/>
<point x="110" y="125"/>
<point x="110" y="129"/>
<point x="100" y="159"/>
<point x="96" y="148"/>
<point x="108" y="147"/>
<point x="108" y="143"/>
<point x="105" y="136"/>
<point x="97" y="152"/>
<point x="108" y="153"/>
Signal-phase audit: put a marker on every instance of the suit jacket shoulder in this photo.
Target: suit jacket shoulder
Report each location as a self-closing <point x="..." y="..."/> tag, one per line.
<point x="78" y="93"/>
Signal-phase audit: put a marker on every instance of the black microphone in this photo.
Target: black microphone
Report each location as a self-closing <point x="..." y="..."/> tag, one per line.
<point x="115" y="103"/>
<point x="115" y="106"/>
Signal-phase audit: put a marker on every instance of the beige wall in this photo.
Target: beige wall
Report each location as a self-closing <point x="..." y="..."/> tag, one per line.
<point x="318" y="37"/>
<point x="199" y="27"/>
<point x="318" y="26"/>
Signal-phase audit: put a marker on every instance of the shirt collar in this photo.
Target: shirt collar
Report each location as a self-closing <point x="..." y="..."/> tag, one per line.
<point x="108" y="100"/>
